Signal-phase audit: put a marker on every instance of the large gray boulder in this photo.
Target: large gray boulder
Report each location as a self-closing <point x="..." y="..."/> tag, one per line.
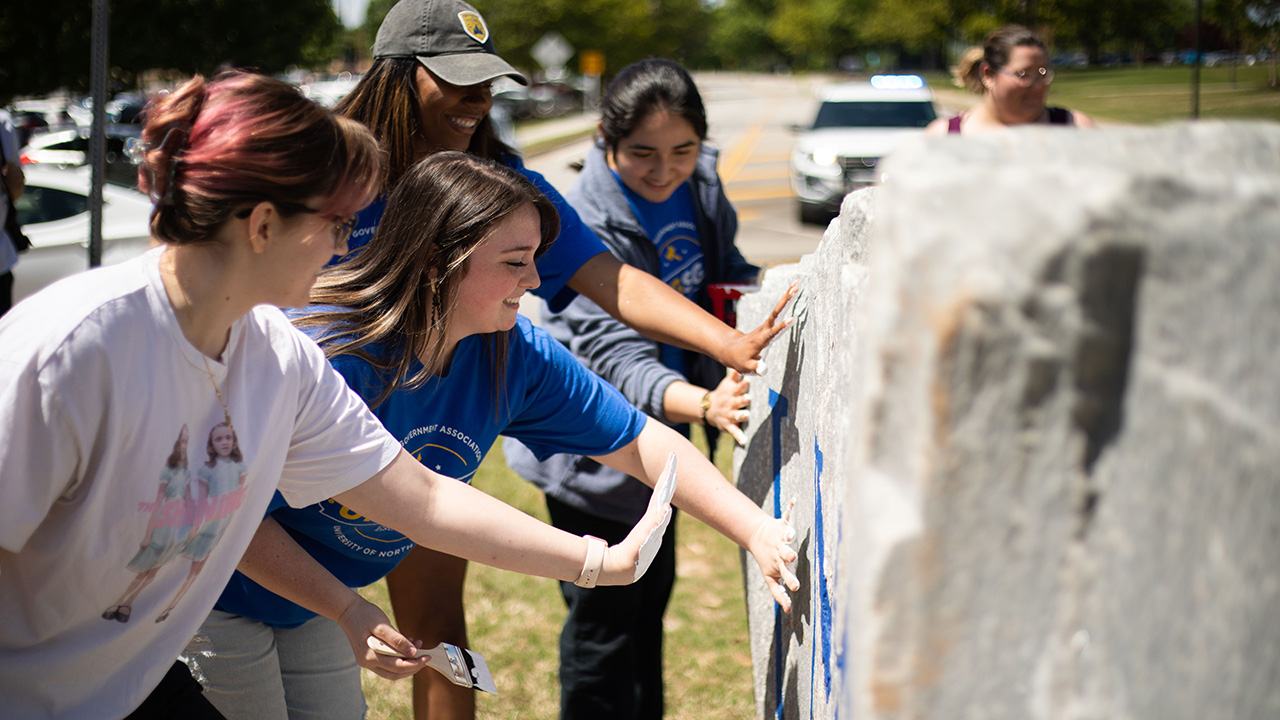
<point x="1032" y="429"/>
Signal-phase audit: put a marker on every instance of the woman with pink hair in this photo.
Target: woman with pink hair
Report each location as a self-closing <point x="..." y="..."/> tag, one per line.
<point x="254" y="189"/>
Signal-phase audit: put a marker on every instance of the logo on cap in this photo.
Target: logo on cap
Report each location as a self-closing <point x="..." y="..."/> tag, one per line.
<point x="473" y="25"/>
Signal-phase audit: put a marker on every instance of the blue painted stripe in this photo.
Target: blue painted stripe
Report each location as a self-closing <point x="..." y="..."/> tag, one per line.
<point x="824" y="596"/>
<point x="778" y="409"/>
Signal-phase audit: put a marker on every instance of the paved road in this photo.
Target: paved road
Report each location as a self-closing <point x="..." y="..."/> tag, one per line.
<point x="749" y="119"/>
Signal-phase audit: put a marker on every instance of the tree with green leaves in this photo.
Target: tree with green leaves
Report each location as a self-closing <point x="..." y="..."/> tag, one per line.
<point x="45" y="46"/>
<point x="624" y="30"/>
<point x="740" y="35"/>
<point x="816" y="33"/>
<point x="1265" y="16"/>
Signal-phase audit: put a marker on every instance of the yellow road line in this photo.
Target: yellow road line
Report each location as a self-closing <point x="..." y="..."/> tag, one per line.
<point x="769" y="193"/>
<point x="774" y="158"/>
<point x="737" y="159"/>
<point x="764" y="173"/>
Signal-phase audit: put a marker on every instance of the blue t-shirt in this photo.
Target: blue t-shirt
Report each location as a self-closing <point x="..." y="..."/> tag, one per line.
<point x="575" y="245"/>
<point x="672" y="227"/>
<point x="549" y="401"/>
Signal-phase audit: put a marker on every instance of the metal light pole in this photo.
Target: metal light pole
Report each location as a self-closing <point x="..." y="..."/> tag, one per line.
<point x="1195" y="67"/>
<point x="97" y="134"/>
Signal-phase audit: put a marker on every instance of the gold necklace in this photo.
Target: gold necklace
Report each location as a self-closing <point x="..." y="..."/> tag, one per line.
<point x="186" y="310"/>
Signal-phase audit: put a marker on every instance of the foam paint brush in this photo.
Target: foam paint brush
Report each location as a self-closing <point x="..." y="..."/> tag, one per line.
<point x="462" y="667"/>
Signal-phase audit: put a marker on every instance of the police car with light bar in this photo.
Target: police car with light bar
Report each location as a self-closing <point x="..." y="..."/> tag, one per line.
<point x="857" y="124"/>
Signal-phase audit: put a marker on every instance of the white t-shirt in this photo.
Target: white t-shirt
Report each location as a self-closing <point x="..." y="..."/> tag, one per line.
<point x="97" y="384"/>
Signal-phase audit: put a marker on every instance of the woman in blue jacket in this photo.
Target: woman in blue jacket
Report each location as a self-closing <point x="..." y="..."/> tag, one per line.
<point x="650" y="191"/>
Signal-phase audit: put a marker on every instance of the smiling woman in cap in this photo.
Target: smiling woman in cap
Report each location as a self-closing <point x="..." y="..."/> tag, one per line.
<point x="429" y="91"/>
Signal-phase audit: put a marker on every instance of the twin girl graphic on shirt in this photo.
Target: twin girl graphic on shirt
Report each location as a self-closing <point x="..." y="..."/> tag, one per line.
<point x="190" y="512"/>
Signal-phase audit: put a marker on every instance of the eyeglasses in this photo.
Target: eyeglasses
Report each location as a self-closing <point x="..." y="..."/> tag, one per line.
<point x="1033" y="76"/>
<point x="342" y="230"/>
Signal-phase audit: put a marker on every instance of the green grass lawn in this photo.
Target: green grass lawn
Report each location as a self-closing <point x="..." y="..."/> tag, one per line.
<point x="515" y="620"/>
<point x="1156" y="94"/>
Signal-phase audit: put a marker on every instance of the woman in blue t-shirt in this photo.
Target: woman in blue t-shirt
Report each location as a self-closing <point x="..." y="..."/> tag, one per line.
<point x="424" y="325"/>
<point x="650" y="190"/>
<point x="429" y="90"/>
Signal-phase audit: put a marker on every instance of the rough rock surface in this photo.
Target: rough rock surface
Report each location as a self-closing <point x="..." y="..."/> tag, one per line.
<point x="1030" y="414"/>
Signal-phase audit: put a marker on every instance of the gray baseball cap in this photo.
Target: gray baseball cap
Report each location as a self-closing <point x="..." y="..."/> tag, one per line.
<point x="448" y="37"/>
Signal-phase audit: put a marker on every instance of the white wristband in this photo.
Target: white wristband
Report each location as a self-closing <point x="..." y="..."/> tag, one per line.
<point x="593" y="562"/>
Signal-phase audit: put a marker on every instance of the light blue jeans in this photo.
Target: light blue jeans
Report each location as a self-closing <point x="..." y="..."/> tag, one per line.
<point x="251" y="671"/>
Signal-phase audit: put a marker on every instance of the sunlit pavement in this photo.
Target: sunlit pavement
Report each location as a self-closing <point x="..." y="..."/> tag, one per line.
<point x="750" y="119"/>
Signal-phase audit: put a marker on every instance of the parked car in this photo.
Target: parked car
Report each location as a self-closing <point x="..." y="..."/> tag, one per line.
<point x="70" y="148"/>
<point x="125" y="107"/>
<point x="330" y="90"/>
<point x="26" y="124"/>
<point x="513" y="96"/>
<point x="54" y="213"/>
<point x="553" y="99"/>
<point x="1221" y="57"/>
<point x="1076" y="59"/>
<point x="1115" y="59"/>
<point x="857" y="124"/>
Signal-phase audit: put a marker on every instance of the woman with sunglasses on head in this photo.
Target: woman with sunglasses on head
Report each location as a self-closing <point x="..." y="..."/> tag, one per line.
<point x="423" y="324"/>
<point x="1011" y="72"/>
<point x="253" y="184"/>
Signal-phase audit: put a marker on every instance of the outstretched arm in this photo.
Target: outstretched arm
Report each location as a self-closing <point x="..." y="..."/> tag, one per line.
<point x="275" y="561"/>
<point x="452" y="517"/>
<point x="703" y="493"/>
<point x="726" y="404"/>
<point x="649" y="305"/>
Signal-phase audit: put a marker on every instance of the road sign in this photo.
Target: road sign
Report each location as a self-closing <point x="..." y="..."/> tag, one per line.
<point x="591" y="62"/>
<point x="552" y="51"/>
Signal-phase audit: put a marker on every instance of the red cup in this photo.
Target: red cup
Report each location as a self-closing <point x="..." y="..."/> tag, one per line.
<point x="724" y="300"/>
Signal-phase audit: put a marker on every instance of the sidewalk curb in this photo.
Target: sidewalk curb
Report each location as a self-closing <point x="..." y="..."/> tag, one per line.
<point x="542" y="145"/>
<point x="542" y="137"/>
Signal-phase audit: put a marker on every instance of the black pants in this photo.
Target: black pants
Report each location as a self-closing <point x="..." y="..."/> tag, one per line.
<point x="177" y="697"/>
<point x="611" y="645"/>
<point x="6" y="292"/>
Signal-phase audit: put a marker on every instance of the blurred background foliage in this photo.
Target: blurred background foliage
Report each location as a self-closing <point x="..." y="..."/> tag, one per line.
<point x="45" y="46"/>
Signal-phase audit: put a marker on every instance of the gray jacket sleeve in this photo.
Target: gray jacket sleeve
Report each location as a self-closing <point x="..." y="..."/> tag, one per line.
<point x="615" y="352"/>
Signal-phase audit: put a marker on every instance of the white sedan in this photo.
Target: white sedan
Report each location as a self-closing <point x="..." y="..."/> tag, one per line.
<point x="54" y="213"/>
<point x="857" y="124"/>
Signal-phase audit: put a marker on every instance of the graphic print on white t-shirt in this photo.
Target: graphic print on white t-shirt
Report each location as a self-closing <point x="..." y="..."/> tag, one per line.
<point x="188" y="516"/>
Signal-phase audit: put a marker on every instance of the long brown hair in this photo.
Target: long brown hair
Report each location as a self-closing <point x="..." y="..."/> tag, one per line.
<point x="178" y="458"/>
<point x="386" y="296"/>
<point x="386" y="101"/>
